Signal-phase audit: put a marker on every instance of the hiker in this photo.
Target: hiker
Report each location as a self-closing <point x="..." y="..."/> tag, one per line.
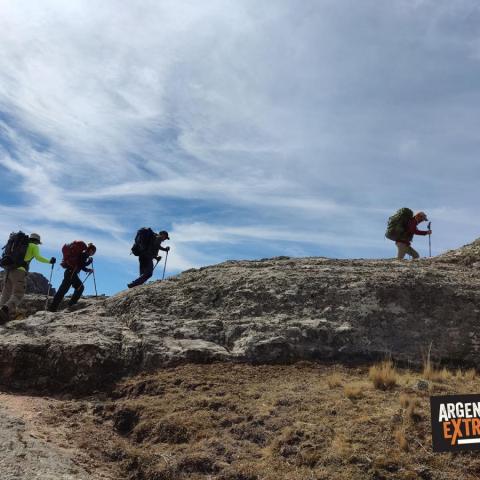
<point x="19" y="251"/>
<point x="146" y="247"/>
<point x="402" y="227"/>
<point x="77" y="256"/>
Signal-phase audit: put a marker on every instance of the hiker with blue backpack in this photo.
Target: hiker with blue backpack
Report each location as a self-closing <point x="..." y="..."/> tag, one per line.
<point x="146" y="247"/>
<point x="18" y="252"/>
<point x="402" y="226"/>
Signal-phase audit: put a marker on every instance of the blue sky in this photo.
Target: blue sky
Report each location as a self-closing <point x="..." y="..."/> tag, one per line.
<point x="245" y="130"/>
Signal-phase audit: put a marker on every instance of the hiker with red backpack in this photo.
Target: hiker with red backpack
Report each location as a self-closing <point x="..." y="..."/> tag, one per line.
<point x="146" y="247"/>
<point x="402" y="226"/>
<point x="77" y="256"/>
<point x="18" y="252"/>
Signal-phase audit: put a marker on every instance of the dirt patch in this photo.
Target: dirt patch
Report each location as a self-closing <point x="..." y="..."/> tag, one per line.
<point x="241" y="422"/>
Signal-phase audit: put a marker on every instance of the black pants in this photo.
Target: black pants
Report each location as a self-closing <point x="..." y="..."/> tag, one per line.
<point x="146" y="270"/>
<point x="70" y="279"/>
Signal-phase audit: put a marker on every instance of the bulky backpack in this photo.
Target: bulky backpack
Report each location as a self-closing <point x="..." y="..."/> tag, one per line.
<point x="71" y="254"/>
<point x="143" y="241"/>
<point x="397" y="225"/>
<point x="14" y="251"/>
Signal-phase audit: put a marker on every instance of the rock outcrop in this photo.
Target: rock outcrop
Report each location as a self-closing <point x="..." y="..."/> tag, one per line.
<point x="36" y="283"/>
<point x="267" y="311"/>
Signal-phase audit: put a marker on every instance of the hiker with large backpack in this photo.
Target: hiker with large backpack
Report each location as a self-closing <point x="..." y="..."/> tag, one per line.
<point x="146" y="247"/>
<point x="18" y="252"/>
<point x="402" y="226"/>
<point x="77" y="256"/>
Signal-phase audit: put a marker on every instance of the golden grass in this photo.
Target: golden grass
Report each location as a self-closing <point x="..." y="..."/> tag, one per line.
<point x="334" y="380"/>
<point x="383" y="376"/>
<point x="401" y="439"/>
<point x="430" y="372"/>
<point x="243" y="422"/>
<point x="354" y="391"/>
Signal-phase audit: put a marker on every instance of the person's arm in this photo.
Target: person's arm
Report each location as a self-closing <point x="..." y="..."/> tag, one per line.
<point x="413" y="230"/>
<point x="85" y="262"/>
<point x="36" y="254"/>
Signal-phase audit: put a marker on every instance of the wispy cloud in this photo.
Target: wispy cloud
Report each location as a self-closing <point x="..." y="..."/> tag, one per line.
<point x="246" y="121"/>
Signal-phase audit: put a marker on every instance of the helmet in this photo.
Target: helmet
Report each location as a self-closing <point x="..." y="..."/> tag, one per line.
<point x="165" y="233"/>
<point x="92" y="247"/>
<point x="35" y="237"/>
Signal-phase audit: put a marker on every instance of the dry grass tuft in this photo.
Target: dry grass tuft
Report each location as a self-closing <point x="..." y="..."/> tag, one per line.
<point x="401" y="439"/>
<point x="434" y="374"/>
<point x="410" y="404"/>
<point x="354" y="390"/>
<point x="384" y="376"/>
<point x="341" y="448"/>
<point x="334" y="380"/>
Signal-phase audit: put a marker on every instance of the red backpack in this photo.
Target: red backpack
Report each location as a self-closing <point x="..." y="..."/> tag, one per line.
<point x="71" y="254"/>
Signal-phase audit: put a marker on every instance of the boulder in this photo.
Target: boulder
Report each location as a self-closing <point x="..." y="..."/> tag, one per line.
<point x="278" y="310"/>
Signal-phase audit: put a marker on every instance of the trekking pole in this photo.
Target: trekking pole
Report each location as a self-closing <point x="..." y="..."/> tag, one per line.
<point x="49" y="285"/>
<point x="165" y="266"/>
<point x="94" y="282"/>
<point x="88" y="274"/>
<point x="429" y="239"/>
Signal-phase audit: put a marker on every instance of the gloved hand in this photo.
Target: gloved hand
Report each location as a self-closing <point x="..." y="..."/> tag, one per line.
<point x="429" y="232"/>
<point x="167" y="249"/>
<point x="158" y="258"/>
<point x="53" y="260"/>
<point x="89" y="270"/>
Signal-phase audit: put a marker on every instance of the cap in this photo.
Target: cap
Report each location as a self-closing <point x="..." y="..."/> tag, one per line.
<point x="91" y="246"/>
<point x="422" y="216"/>
<point x="164" y="232"/>
<point x="35" y="236"/>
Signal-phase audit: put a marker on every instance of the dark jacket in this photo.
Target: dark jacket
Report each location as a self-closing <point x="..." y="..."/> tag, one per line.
<point x="155" y="246"/>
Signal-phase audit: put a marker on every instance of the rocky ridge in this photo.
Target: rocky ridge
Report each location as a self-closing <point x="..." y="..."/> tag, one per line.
<point x="277" y="310"/>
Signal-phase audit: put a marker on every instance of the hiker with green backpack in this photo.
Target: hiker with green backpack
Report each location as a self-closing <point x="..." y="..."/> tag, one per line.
<point x="402" y="226"/>
<point x="18" y="252"/>
<point x="146" y="247"/>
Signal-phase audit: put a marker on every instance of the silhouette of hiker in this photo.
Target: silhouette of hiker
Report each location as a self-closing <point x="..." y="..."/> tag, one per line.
<point x="146" y="247"/>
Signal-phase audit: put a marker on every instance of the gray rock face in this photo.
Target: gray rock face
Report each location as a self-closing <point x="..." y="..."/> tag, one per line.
<point x="274" y="310"/>
<point x="25" y="457"/>
<point x="36" y="283"/>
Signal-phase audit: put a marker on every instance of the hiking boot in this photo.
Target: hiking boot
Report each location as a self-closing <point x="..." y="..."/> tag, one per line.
<point x="130" y="285"/>
<point x="4" y="315"/>
<point x="52" y="308"/>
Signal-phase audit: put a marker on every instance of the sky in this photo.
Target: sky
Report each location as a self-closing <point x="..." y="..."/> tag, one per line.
<point x="246" y="129"/>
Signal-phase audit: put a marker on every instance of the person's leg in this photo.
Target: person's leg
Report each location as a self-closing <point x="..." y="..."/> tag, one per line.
<point x="7" y="289"/>
<point x="402" y="250"/>
<point x="19" y="280"/>
<point x="62" y="290"/>
<point x="6" y="294"/>
<point x="146" y="271"/>
<point x="413" y="253"/>
<point x="79" y="288"/>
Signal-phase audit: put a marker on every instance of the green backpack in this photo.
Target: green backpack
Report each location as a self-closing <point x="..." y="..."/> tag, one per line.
<point x="397" y="225"/>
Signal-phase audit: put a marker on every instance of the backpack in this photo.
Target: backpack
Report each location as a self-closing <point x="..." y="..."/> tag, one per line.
<point x="397" y="225"/>
<point x="14" y="251"/>
<point x="143" y="241"/>
<point x="71" y="254"/>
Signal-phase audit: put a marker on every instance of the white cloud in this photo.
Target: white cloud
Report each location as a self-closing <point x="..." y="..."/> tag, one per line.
<point x="329" y="114"/>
